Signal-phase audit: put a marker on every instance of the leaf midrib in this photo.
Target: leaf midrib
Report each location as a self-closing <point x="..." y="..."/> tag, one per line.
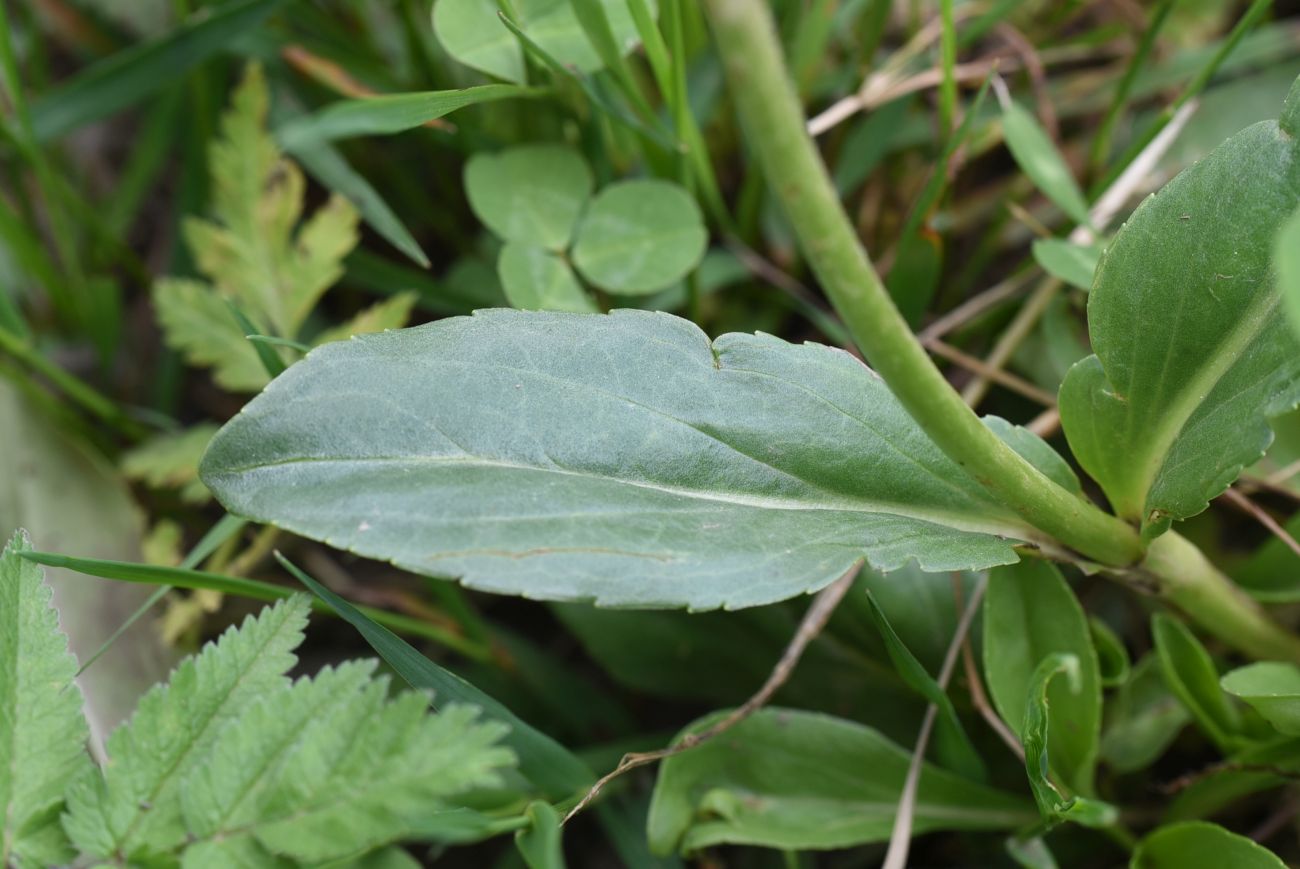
<point x="832" y="503"/>
<point x="1186" y="401"/>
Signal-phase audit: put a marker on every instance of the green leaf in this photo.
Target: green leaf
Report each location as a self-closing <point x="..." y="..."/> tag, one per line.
<point x="171" y="461"/>
<point x="331" y="768"/>
<point x="1030" y="614"/>
<point x="198" y="323"/>
<point x="1030" y="853"/>
<point x="1072" y="263"/>
<point x="134" y="808"/>
<point x="391" y="313"/>
<point x="131" y="75"/>
<point x="181" y="577"/>
<point x="619" y="458"/>
<point x="328" y="167"/>
<point x="539" y="844"/>
<point x="531" y="194"/>
<point x="42" y="731"/>
<point x="1192" y="357"/>
<point x="1142" y="719"/>
<point x="1272" y="689"/>
<point x="254" y="252"/>
<point x="1039" y="159"/>
<point x="387" y="114"/>
<point x="1286" y="261"/>
<point x="639" y="237"/>
<point x="536" y="279"/>
<point x="1053" y="805"/>
<point x="951" y="741"/>
<point x="231" y="764"/>
<point x="549" y="765"/>
<point x="471" y="32"/>
<point x="1192" y="677"/>
<point x="784" y="778"/>
<point x="1197" y="843"/>
<point x="1112" y="658"/>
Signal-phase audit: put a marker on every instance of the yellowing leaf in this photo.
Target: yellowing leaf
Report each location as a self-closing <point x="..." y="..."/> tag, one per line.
<point x="255" y="250"/>
<point x="388" y="314"/>
<point x="171" y="461"/>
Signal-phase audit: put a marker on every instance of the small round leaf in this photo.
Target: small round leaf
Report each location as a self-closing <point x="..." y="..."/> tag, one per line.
<point x="639" y="237"/>
<point x="472" y="33"/>
<point x="538" y="280"/>
<point x="532" y="194"/>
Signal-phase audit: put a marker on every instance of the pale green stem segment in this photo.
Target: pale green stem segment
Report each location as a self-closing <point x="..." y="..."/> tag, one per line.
<point x="773" y="117"/>
<point x="1184" y="577"/>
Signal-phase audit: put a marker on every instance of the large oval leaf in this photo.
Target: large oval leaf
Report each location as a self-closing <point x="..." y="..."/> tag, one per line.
<point x="621" y="458"/>
<point x="1192" y="354"/>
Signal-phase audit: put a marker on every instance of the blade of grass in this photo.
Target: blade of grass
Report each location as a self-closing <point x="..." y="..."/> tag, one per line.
<point x="125" y="78"/>
<point x="389" y="113"/>
<point x="75" y="389"/>
<point x="225" y="529"/>
<point x="938" y="180"/>
<point x="549" y="765"/>
<point x="705" y="180"/>
<point x="544" y="58"/>
<point x="1194" y="87"/>
<point x="595" y="24"/>
<point x="1100" y="149"/>
<point x="150" y="574"/>
<point x="149" y="151"/>
<point x="652" y="40"/>
<point x="327" y="166"/>
<point x="948" y="55"/>
<point x="266" y="354"/>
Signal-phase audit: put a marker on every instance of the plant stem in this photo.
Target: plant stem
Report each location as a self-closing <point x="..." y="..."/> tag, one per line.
<point x="1183" y="576"/>
<point x="774" y="121"/>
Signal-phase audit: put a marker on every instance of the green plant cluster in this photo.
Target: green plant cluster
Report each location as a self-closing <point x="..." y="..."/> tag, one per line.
<point x="979" y="323"/>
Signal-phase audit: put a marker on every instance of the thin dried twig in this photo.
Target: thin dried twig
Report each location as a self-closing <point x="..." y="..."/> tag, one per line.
<point x="980" y="699"/>
<point x="975" y="305"/>
<point x="900" y="838"/>
<point x="996" y="375"/>
<point x="819" y="612"/>
<point x="1183" y="782"/>
<point x="1262" y="518"/>
<point x="1280" y="476"/>
<point x="1046" y="423"/>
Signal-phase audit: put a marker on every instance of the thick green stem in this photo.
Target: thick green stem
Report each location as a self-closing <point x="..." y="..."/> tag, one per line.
<point x="773" y="117"/>
<point x="1182" y="575"/>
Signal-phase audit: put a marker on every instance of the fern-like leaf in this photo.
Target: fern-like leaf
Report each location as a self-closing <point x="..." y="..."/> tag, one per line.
<point x="42" y="731"/>
<point x="231" y="765"/>
<point x="253" y="250"/>
<point x="133" y="810"/>
<point x="171" y="461"/>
